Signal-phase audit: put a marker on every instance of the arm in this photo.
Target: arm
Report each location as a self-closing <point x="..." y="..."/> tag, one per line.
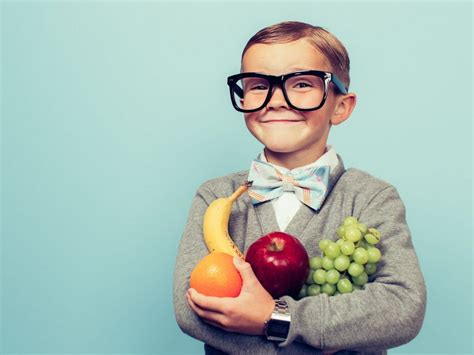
<point x="389" y="312"/>
<point x="192" y="248"/>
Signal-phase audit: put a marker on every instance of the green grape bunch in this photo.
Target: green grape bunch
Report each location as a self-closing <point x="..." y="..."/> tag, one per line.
<point x="345" y="264"/>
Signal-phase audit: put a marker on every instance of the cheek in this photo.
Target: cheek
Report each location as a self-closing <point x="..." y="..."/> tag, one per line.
<point x="250" y="121"/>
<point x="249" y="116"/>
<point x="316" y="119"/>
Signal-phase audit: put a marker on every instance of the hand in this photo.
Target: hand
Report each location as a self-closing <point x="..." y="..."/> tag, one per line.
<point x="245" y="314"/>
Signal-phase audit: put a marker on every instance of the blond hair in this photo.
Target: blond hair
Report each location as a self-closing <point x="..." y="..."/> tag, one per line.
<point x="323" y="41"/>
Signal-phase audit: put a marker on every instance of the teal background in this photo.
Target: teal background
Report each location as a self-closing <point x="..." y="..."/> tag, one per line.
<point x="113" y="113"/>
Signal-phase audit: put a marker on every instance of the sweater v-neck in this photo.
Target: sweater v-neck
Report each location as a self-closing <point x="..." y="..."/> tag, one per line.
<point x="266" y="217"/>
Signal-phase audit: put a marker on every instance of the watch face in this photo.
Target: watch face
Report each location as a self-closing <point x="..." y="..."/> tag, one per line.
<point x="278" y="328"/>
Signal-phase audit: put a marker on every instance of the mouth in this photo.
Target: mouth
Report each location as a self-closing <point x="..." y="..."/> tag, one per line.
<point x="281" y="121"/>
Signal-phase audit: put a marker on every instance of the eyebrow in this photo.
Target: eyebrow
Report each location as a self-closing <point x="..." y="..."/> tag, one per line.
<point x="290" y="70"/>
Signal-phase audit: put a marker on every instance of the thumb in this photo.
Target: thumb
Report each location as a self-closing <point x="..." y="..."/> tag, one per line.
<point x="244" y="269"/>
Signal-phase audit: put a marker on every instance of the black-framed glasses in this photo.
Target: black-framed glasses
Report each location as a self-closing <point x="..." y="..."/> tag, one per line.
<point x="303" y="91"/>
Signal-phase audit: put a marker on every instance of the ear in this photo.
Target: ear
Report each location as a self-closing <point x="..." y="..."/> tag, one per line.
<point x="344" y="106"/>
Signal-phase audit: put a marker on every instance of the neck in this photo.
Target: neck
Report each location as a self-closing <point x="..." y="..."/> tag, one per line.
<point x="294" y="159"/>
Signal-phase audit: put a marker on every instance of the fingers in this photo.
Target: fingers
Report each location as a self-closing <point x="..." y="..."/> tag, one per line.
<point x="240" y="264"/>
<point x="216" y="319"/>
<point x="245" y="270"/>
<point x="196" y="308"/>
<point x="214" y="304"/>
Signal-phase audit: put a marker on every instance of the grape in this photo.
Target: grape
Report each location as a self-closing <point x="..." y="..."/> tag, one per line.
<point x="340" y="231"/>
<point x="319" y="276"/>
<point x="313" y="290"/>
<point x="355" y="269"/>
<point x="374" y="254"/>
<point x="323" y="244"/>
<point x="353" y="233"/>
<point x="371" y="239"/>
<point x="370" y="268"/>
<point x="375" y="232"/>
<point x="342" y="262"/>
<point x="340" y="242"/>
<point x="349" y="220"/>
<point x="303" y="292"/>
<point x="332" y="250"/>
<point x="347" y="248"/>
<point x="332" y="276"/>
<point x="362" y="227"/>
<point x="344" y="286"/>
<point x="360" y="280"/>
<point x="328" y="289"/>
<point x="327" y="263"/>
<point x="315" y="263"/>
<point x="360" y="256"/>
<point x="346" y="263"/>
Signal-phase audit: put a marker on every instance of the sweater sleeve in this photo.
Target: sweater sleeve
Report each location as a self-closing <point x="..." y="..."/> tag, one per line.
<point x="389" y="311"/>
<point x="191" y="249"/>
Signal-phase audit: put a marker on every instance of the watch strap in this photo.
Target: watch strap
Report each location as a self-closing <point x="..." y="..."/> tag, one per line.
<point x="277" y="327"/>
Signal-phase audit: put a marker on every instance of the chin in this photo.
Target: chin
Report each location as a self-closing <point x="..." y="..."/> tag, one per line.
<point x="281" y="141"/>
<point x="281" y="148"/>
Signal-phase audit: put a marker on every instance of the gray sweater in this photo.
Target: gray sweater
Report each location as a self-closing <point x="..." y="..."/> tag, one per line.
<point x="387" y="313"/>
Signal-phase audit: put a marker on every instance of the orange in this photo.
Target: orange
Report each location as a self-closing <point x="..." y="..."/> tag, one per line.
<point x="216" y="275"/>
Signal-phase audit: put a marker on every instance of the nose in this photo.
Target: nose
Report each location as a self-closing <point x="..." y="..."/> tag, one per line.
<point x="277" y="99"/>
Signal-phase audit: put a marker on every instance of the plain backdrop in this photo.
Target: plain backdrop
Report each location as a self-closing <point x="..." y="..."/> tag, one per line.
<point x="114" y="112"/>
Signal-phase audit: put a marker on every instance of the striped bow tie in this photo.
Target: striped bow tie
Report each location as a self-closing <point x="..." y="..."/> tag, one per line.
<point x="310" y="185"/>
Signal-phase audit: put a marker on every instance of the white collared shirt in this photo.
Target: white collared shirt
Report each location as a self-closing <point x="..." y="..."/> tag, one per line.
<point x="288" y="204"/>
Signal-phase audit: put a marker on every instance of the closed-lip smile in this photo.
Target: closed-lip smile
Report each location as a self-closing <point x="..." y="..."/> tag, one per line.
<point x="280" y="121"/>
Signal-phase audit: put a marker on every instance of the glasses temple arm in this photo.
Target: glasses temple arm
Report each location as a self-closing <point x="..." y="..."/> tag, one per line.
<point x="238" y="90"/>
<point x="338" y="84"/>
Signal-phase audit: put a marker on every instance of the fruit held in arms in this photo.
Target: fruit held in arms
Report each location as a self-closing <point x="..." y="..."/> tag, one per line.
<point x="280" y="262"/>
<point x="216" y="224"/>
<point x="216" y="275"/>
<point x="346" y="263"/>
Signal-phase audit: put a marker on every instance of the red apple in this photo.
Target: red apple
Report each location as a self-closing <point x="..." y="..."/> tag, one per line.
<point x="280" y="263"/>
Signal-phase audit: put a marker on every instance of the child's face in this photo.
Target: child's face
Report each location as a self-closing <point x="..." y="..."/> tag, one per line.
<point x="277" y="126"/>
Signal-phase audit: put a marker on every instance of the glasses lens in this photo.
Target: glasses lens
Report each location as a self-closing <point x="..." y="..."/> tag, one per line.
<point x="250" y="93"/>
<point x="305" y="91"/>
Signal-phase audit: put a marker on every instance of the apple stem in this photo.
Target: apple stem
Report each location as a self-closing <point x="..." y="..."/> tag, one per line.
<point x="276" y="246"/>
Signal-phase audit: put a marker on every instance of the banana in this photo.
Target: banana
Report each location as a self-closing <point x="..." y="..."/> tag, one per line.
<point x="216" y="223"/>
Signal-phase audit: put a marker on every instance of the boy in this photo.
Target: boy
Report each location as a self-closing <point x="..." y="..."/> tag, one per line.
<point x="292" y="88"/>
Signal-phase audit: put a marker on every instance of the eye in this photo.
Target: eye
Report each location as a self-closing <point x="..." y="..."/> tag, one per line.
<point x="258" y="87"/>
<point x="255" y="84"/>
<point x="302" y="85"/>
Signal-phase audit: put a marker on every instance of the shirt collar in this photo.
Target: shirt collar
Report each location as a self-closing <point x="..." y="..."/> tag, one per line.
<point x="329" y="158"/>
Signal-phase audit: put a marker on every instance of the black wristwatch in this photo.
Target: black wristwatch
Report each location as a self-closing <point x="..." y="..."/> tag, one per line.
<point x="278" y="326"/>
